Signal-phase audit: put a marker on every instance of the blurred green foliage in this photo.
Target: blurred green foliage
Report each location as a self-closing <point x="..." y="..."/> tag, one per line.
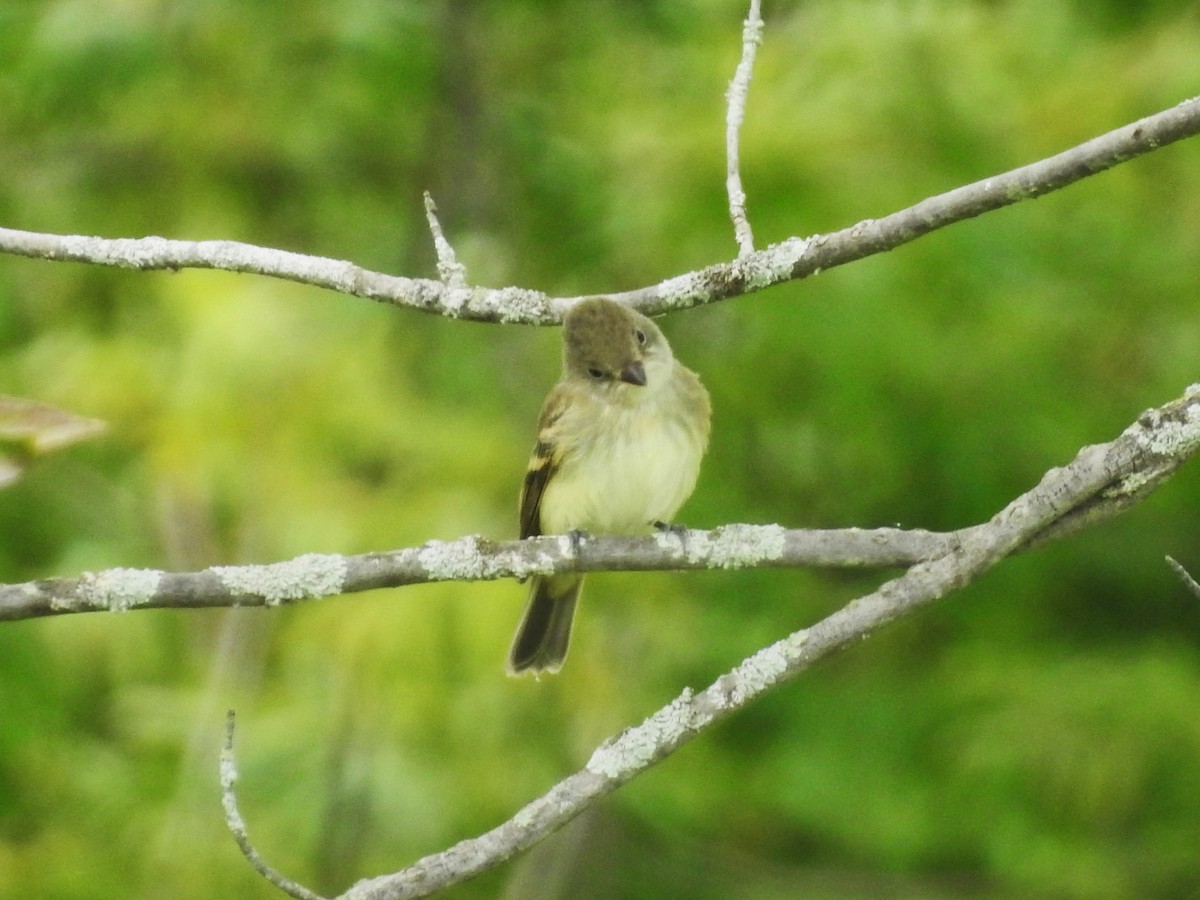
<point x="1036" y="735"/>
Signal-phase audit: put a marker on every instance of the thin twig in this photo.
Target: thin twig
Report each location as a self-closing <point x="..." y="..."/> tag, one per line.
<point x="1185" y="576"/>
<point x="452" y="272"/>
<point x="752" y="32"/>
<point x="235" y="823"/>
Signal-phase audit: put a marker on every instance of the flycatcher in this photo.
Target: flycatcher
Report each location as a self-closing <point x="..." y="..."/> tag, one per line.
<point x="620" y="438"/>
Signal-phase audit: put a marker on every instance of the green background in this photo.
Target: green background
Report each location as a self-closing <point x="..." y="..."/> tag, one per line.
<point x="1035" y="735"/>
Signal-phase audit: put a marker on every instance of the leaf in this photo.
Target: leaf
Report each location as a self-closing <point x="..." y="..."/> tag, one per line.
<point x="29" y="429"/>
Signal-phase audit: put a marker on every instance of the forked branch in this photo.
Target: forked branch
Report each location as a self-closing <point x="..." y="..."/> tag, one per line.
<point x="1159" y="441"/>
<point x="792" y="259"/>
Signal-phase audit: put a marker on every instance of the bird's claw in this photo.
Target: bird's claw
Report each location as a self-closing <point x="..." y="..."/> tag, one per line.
<point x="578" y="537"/>
<point x="672" y="528"/>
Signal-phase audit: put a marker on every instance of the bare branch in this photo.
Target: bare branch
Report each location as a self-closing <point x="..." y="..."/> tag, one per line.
<point x="752" y="32"/>
<point x="235" y="823"/>
<point x="1173" y="429"/>
<point x="793" y="259"/>
<point x="1171" y="433"/>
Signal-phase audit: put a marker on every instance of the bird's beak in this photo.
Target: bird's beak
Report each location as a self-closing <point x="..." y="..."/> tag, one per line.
<point x="634" y="373"/>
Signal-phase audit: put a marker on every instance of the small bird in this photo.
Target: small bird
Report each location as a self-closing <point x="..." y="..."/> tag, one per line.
<point x="620" y="439"/>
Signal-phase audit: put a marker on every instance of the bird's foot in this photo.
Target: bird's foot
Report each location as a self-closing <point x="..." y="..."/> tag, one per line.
<point x="578" y="537"/>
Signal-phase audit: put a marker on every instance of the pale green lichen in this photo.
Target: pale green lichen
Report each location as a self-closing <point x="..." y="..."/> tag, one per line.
<point x="737" y="546"/>
<point x="637" y="747"/>
<point x="512" y="304"/>
<point x="116" y="589"/>
<point x="303" y="578"/>
<point x="763" y="669"/>
<point x="1177" y="436"/>
<point x="457" y="560"/>
<point x="468" y="559"/>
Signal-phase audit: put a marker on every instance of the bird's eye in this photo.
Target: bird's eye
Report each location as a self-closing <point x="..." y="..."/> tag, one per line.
<point x="596" y="373"/>
<point x="640" y="335"/>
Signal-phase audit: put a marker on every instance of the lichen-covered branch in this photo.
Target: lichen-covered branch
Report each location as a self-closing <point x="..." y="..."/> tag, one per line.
<point x="1169" y="433"/>
<point x="470" y="558"/>
<point x="789" y="260"/>
<point x="797" y="258"/>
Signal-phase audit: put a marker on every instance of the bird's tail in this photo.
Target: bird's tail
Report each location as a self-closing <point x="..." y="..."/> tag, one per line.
<point x="542" y="638"/>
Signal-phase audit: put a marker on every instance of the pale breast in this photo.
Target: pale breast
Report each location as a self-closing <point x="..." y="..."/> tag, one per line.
<point x="637" y="469"/>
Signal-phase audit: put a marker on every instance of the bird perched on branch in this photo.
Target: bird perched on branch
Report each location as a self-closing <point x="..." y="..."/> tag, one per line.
<point x="620" y="439"/>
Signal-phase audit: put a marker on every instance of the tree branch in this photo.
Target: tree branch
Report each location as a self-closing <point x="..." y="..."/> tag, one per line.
<point x="470" y="558"/>
<point x="1101" y="482"/>
<point x="752" y="31"/>
<point x="1171" y="433"/>
<point x="792" y="259"/>
<point x="237" y="826"/>
<point x="1168" y="433"/>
